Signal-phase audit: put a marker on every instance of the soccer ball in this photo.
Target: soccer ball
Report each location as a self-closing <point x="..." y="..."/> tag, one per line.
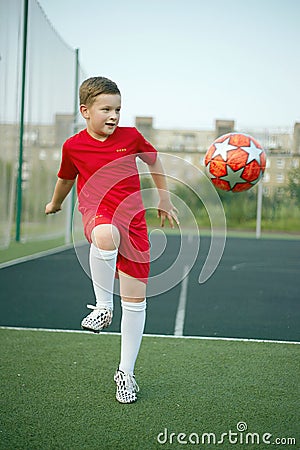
<point x="235" y="162"/>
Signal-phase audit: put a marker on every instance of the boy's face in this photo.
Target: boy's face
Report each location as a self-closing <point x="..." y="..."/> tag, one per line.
<point x="103" y="116"/>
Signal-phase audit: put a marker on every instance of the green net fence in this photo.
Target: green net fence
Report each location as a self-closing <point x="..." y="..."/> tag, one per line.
<point x="10" y="51"/>
<point x="52" y="75"/>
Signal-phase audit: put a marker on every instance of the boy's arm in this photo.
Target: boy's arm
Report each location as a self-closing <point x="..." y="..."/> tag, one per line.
<point x="61" y="190"/>
<point x="166" y="209"/>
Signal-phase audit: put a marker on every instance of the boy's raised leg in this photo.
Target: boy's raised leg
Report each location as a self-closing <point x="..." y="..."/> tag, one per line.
<point x="102" y="267"/>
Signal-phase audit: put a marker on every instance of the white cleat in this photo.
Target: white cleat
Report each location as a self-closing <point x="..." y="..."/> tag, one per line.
<point x="98" y="319"/>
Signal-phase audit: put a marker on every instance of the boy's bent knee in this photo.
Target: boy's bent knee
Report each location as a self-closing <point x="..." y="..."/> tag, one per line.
<point x="106" y="237"/>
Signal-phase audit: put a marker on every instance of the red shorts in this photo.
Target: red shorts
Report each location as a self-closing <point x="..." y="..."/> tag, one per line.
<point x="134" y="250"/>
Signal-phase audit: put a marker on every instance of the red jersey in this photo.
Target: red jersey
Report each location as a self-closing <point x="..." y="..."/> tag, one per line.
<point x="106" y="170"/>
<point x="108" y="188"/>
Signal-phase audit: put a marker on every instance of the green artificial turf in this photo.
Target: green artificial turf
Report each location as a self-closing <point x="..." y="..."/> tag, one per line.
<point x="57" y="392"/>
<point x="19" y="250"/>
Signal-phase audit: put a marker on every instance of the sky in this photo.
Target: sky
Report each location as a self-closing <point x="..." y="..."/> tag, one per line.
<point x="187" y="63"/>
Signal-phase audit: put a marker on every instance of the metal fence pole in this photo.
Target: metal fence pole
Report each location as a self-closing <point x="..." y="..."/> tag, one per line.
<point x="71" y="200"/>
<point x="259" y="208"/>
<point x="20" y="167"/>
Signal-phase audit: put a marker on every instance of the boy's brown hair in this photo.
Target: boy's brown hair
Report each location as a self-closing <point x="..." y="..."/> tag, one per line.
<point x="92" y="87"/>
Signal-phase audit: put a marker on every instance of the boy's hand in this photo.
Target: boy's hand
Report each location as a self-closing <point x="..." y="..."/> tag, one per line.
<point x="166" y="210"/>
<point x="51" y="208"/>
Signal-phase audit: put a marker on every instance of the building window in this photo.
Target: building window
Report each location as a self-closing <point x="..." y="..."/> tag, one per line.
<point x="280" y="191"/>
<point x="280" y="178"/>
<point x="280" y="163"/>
<point x="42" y="155"/>
<point x="56" y="155"/>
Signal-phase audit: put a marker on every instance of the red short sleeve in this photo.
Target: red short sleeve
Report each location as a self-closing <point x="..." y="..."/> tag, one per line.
<point x="146" y="151"/>
<point x="67" y="170"/>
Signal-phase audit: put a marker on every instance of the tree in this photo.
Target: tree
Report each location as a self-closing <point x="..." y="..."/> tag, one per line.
<point x="294" y="184"/>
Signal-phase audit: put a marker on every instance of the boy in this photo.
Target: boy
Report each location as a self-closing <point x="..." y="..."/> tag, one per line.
<point x="103" y="159"/>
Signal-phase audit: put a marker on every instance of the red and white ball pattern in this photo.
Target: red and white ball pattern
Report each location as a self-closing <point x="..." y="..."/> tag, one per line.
<point x="235" y="162"/>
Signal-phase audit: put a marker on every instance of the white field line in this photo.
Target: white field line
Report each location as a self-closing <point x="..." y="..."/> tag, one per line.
<point x="168" y="336"/>
<point x="180" y="315"/>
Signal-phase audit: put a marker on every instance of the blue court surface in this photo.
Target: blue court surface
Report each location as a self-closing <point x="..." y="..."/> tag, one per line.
<point x="253" y="294"/>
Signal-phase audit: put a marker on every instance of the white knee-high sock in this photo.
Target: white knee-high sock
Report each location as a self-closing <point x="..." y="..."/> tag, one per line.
<point x="103" y="267"/>
<point x="132" y="328"/>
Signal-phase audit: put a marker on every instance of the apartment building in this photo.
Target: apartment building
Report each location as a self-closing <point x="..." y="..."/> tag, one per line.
<point x="43" y="143"/>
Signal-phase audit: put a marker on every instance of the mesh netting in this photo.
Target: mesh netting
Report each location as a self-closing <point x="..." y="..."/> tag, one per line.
<point x="10" y="51"/>
<point x="50" y="92"/>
